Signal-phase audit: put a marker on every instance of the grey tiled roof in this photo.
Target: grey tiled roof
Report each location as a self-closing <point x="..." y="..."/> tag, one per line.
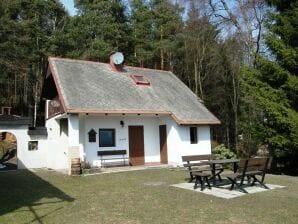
<point x="91" y="86"/>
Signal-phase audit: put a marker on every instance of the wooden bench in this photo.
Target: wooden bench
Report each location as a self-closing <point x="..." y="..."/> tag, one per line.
<point x="201" y="177"/>
<point x="249" y="168"/>
<point x="107" y="155"/>
<point x="200" y="163"/>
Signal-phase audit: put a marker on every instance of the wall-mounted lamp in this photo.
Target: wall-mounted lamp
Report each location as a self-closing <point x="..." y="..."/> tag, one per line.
<point x="122" y="123"/>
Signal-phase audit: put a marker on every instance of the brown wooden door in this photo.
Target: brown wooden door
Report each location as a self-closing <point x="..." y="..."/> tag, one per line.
<point x="136" y="145"/>
<point x="163" y="144"/>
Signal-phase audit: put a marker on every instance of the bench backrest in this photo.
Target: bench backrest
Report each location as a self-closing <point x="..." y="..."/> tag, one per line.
<point x="257" y="164"/>
<point x="269" y="162"/>
<point x="252" y="164"/>
<point x="196" y="158"/>
<point x="241" y="167"/>
<point x="111" y="152"/>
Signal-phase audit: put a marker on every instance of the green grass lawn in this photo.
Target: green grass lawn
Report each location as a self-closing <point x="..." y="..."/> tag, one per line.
<point x="136" y="197"/>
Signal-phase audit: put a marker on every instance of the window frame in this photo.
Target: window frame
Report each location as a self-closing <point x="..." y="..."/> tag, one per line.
<point x="144" y="82"/>
<point x="113" y="137"/>
<point x="193" y="135"/>
<point x="32" y="145"/>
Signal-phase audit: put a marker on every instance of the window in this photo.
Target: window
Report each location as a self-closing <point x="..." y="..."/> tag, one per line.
<point x="32" y="145"/>
<point x="140" y="80"/>
<point x="106" y="137"/>
<point x="92" y="135"/>
<point x="193" y="135"/>
<point x="64" y="126"/>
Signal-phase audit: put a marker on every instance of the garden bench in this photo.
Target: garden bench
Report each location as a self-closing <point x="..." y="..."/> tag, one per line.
<point x="200" y="163"/>
<point x="249" y="168"/>
<point x="110" y="155"/>
<point x="201" y="177"/>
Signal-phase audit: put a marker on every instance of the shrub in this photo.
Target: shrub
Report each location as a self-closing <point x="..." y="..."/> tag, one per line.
<point x="221" y="152"/>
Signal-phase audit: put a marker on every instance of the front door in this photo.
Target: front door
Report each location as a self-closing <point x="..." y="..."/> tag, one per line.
<point x="136" y="145"/>
<point x="163" y="144"/>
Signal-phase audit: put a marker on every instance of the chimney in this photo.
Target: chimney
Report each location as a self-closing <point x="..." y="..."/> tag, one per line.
<point x="116" y="61"/>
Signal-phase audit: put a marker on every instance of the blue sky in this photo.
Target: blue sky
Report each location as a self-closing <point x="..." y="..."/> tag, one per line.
<point x="69" y="5"/>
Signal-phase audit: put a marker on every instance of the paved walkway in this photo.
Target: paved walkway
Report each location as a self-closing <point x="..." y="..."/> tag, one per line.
<point x="128" y="168"/>
<point x="225" y="192"/>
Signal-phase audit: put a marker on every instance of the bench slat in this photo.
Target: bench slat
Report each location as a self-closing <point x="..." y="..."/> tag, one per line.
<point x="111" y="152"/>
<point x="196" y="157"/>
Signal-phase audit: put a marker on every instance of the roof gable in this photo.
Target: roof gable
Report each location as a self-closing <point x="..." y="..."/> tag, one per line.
<point x="85" y="86"/>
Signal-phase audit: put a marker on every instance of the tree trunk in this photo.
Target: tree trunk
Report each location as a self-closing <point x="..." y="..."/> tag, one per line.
<point x="161" y="50"/>
<point x="196" y="77"/>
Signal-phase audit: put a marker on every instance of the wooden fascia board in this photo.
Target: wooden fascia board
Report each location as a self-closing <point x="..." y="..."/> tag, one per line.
<point x="192" y="122"/>
<point x="57" y="85"/>
<point x="148" y="112"/>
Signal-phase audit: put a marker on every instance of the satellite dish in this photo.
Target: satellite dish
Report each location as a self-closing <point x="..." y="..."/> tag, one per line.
<point x="117" y="58"/>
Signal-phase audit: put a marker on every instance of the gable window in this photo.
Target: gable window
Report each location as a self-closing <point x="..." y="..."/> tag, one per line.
<point x="140" y="80"/>
<point x="106" y="137"/>
<point x="92" y="135"/>
<point x="32" y="145"/>
<point x="193" y="135"/>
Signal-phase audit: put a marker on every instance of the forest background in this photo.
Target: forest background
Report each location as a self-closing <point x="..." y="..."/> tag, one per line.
<point x="238" y="56"/>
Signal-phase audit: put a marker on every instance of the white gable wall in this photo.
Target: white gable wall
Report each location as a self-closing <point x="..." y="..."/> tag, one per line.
<point x="179" y="141"/>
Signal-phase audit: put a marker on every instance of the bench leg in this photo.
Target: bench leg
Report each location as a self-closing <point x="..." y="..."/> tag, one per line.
<point x="208" y="183"/>
<point x="191" y="177"/>
<point x="239" y="186"/>
<point x="202" y="183"/>
<point x="219" y="177"/>
<point x="233" y="183"/>
<point x="260" y="182"/>
<point x="198" y="180"/>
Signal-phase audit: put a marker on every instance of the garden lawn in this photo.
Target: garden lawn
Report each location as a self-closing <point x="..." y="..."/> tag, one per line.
<point x="136" y="197"/>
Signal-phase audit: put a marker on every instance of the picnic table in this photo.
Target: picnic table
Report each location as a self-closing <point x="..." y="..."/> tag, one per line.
<point x="221" y="162"/>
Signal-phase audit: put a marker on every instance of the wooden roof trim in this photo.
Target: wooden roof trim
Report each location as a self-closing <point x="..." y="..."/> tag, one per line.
<point x="61" y="99"/>
<point x="178" y="121"/>
<point x="191" y="122"/>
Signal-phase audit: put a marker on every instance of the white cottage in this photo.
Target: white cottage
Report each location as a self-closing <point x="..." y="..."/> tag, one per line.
<point x="94" y="108"/>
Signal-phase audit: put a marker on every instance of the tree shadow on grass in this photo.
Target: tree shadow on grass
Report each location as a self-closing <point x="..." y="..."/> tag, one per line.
<point x="23" y="190"/>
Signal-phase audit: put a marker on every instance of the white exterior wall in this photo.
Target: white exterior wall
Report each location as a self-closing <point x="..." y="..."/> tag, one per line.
<point x="57" y="150"/>
<point x="178" y="137"/>
<point x="25" y="158"/>
<point x="151" y="135"/>
<point x="53" y="150"/>
<point x="179" y="141"/>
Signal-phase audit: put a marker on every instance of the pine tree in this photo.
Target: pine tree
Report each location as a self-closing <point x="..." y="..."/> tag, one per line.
<point x="27" y="37"/>
<point x="272" y="88"/>
<point x="142" y="33"/>
<point x="166" y="25"/>
<point x="100" y="28"/>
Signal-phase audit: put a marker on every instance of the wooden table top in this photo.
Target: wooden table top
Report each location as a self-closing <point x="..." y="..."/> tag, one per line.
<point x="223" y="161"/>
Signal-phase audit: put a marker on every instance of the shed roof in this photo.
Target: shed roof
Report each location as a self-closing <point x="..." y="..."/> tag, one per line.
<point x="94" y="87"/>
<point x="7" y="119"/>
